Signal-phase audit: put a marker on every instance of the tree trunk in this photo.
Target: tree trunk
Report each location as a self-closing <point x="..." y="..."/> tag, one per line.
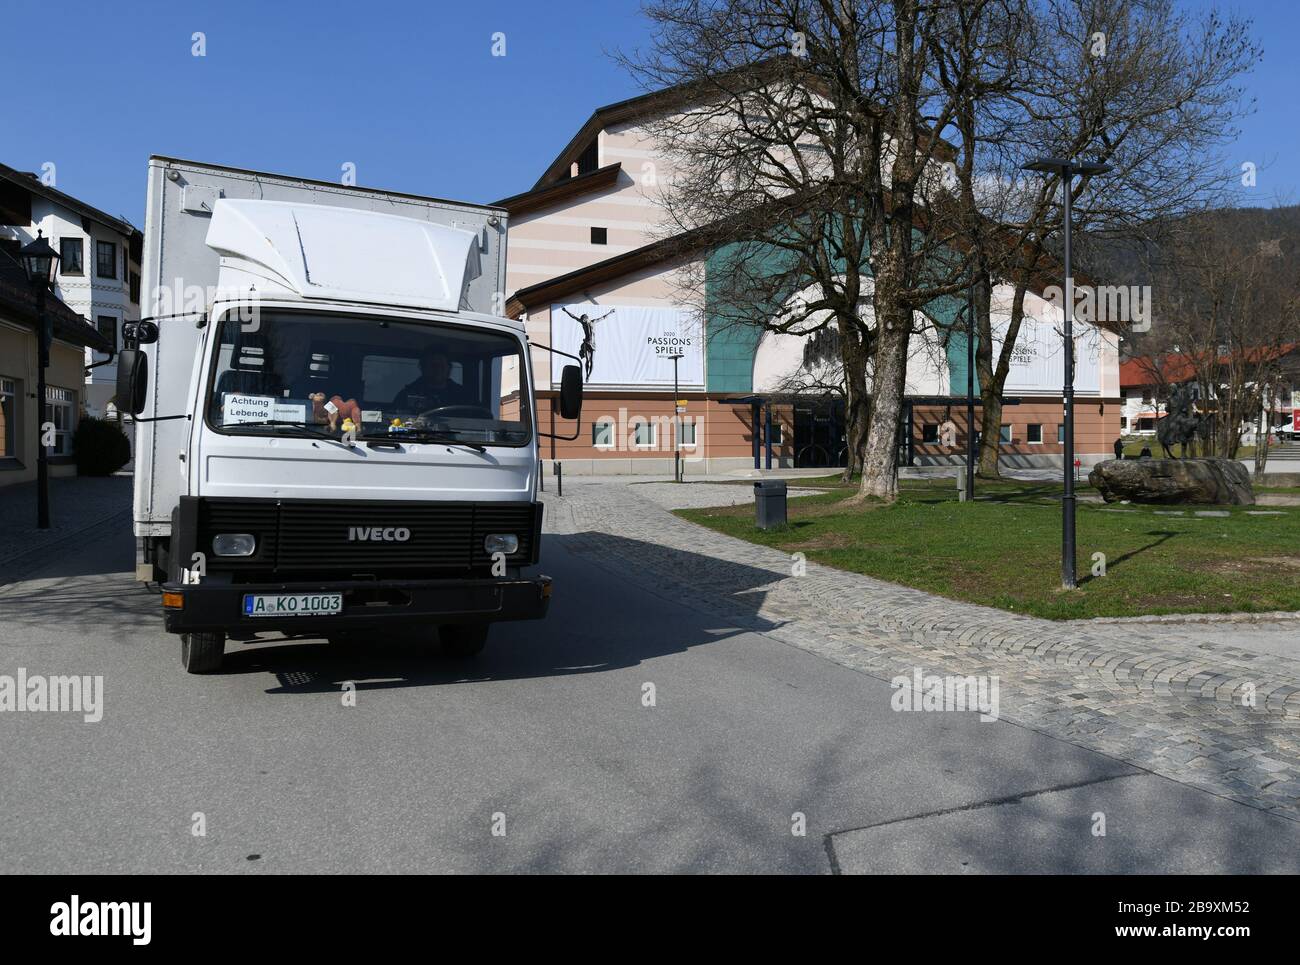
<point x="889" y="379"/>
<point x="1265" y="429"/>
<point x="990" y="436"/>
<point x="853" y="354"/>
<point x="993" y="380"/>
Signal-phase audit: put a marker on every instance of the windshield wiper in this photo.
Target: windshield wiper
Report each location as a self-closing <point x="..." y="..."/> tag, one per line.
<point x="425" y="435"/>
<point x="306" y="429"/>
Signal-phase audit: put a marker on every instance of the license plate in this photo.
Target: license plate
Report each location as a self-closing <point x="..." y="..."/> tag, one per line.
<point x="292" y="605"/>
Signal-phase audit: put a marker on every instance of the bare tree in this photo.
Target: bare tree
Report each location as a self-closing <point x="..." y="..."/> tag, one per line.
<point x="1132" y="83"/>
<point x="807" y="162"/>
<point x="1230" y="326"/>
<point x="801" y="161"/>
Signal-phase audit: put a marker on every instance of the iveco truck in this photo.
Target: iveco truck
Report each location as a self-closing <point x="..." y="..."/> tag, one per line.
<point x="336" y="432"/>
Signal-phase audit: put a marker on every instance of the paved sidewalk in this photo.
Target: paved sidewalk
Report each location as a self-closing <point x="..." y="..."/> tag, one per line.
<point x="1147" y="694"/>
<point x="77" y="503"/>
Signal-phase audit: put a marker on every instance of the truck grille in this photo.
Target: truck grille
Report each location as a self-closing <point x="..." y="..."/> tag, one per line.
<point x="371" y="537"/>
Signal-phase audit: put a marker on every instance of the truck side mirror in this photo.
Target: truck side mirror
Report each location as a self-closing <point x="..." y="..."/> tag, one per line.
<point x="570" y="392"/>
<point x="132" y="380"/>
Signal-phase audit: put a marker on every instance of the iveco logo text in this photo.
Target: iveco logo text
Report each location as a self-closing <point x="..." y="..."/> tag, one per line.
<point x="379" y="534"/>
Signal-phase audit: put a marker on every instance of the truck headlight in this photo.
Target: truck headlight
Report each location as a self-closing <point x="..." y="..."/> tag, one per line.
<point x="501" y="543"/>
<point x="234" y="544"/>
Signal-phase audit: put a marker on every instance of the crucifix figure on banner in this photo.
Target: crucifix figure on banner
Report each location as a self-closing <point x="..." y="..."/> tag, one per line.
<point x="587" y="351"/>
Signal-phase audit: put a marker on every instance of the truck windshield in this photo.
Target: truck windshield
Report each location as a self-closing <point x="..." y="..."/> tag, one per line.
<point x="372" y="376"/>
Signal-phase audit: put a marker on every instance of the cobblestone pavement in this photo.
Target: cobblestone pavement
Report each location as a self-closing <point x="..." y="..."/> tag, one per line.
<point x="1147" y="694"/>
<point x="76" y="504"/>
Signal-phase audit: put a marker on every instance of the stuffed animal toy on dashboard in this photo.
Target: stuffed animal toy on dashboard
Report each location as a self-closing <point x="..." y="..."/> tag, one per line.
<point x="319" y="414"/>
<point x="339" y="409"/>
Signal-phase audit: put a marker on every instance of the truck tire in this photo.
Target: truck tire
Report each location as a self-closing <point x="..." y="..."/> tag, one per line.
<point x="464" y="639"/>
<point x="202" y="652"/>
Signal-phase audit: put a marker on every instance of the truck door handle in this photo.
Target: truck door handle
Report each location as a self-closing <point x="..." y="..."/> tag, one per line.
<point x="373" y="444"/>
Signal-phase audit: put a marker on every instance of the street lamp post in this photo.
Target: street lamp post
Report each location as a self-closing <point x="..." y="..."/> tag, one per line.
<point x="1067" y="170"/>
<point x="677" y="423"/>
<point x="970" y="392"/>
<point x="39" y="261"/>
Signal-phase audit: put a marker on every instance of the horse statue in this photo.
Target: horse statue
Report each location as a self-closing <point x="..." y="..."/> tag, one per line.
<point x="1182" y="424"/>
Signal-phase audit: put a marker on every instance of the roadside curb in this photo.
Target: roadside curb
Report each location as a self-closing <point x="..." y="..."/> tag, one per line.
<point x="1273" y="616"/>
<point x="9" y="565"/>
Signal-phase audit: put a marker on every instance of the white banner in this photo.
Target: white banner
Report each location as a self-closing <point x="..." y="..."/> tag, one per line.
<point x="632" y="345"/>
<point x="1038" y="360"/>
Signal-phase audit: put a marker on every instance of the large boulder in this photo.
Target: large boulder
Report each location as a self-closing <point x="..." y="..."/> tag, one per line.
<point x="1216" y="481"/>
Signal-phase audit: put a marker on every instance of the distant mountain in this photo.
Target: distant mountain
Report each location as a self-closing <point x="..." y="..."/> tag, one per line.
<point x="1276" y="231"/>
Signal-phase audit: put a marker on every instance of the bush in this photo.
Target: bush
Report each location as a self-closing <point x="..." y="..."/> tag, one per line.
<point x="100" y="446"/>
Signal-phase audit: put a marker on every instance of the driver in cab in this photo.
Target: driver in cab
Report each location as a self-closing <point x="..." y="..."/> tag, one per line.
<point x="434" y="388"/>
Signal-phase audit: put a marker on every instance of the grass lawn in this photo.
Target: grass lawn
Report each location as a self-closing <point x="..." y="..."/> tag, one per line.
<point x="1004" y="549"/>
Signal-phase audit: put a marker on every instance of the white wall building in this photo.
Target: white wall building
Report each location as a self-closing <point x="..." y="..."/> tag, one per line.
<point x="99" y="268"/>
<point x="588" y="239"/>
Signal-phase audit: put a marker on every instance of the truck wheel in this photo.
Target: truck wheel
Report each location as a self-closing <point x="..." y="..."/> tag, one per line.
<point x="202" y="652"/>
<point x="464" y="639"/>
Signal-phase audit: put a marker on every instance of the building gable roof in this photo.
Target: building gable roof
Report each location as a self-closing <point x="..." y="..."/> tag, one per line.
<point x="643" y="106"/>
<point x="658" y="101"/>
<point x="536" y="199"/>
<point x="542" y="293"/>
<point x="30" y="182"/>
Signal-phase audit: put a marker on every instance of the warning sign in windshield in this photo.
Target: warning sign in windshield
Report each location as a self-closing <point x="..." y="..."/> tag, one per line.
<point x="240" y="407"/>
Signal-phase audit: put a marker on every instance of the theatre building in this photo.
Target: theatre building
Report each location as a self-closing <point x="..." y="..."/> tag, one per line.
<point x="585" y="241"/>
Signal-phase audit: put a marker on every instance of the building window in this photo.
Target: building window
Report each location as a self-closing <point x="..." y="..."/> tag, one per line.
<point x="1034" y="432"/>
<point x="1146" y="425"/>
<point x="589" y="159"/>
<point x="643" y="435"/>
<point x="1123" y="423"/>
<point x="60" y="408"/>
<point x="688" y="433"/>
<point x="106" y="259"/>
<point x="602" y="435"/>
<point x="8" y="418"/>
<point x="1060" y="435"/>
<point x="777" y="438"/>
<point x="600" y="236"/>
<point x="70" y="251"/>
<point x="1004" y="433"/>
<point x="930" y="432"/>
<point x="107" y="326"/>
<point x="135" y="287"/>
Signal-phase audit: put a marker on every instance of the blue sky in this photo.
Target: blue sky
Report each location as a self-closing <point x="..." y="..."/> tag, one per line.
<point x="409" y="92"/>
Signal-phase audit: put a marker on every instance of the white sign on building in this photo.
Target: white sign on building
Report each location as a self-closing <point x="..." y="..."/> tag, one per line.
<point x="1038" y="359"/>
<point x="633" y="344"/>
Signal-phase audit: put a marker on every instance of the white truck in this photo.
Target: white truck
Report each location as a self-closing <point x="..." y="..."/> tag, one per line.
<point x="335" y="428"/>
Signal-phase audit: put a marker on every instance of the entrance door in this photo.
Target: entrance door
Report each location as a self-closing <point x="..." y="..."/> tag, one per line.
<point x="819" y="438"/>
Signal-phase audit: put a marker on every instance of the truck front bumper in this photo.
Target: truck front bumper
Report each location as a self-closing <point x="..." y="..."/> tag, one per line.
<point x="220" y="606"/>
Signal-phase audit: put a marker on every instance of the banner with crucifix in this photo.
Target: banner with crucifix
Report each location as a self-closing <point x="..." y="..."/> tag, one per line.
<point x="1038" y="359"/>
<point x="629" y="346"/>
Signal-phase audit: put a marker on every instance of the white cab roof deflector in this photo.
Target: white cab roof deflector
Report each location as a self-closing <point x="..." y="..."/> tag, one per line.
<point x="344" y="254"/>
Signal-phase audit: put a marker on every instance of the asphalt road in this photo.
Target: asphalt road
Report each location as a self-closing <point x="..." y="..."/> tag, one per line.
<point x="548" y="729"/>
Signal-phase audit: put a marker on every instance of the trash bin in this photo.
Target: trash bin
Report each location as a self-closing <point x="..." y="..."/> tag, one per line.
<point x="769" y="503"/>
